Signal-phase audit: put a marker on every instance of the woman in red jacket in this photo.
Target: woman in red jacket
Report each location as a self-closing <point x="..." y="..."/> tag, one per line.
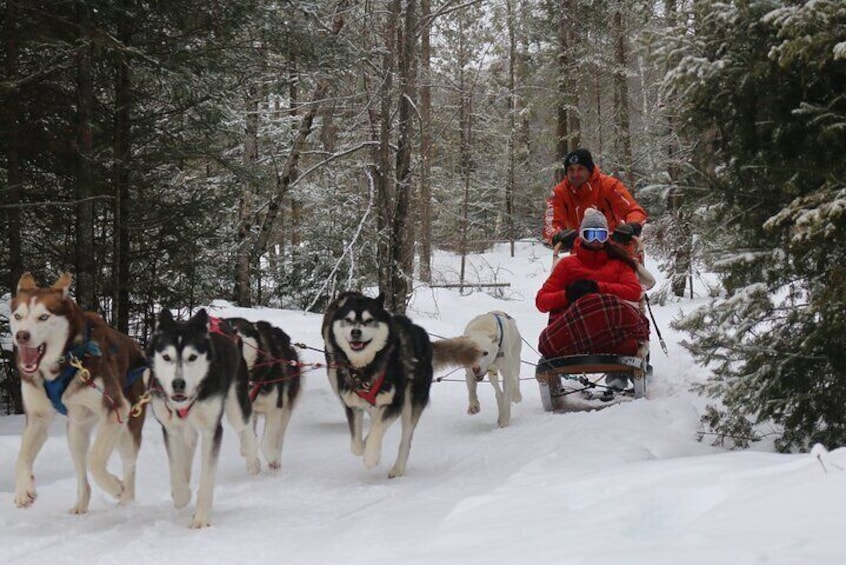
<point x="590" y="296"/>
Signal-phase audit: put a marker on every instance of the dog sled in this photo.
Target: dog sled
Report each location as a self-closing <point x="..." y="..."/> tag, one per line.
<point x="592" y="381"/>
<point x="577" y="383"/>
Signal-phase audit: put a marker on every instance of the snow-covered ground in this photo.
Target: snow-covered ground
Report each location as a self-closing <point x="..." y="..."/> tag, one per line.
<point x="629" y="484"/>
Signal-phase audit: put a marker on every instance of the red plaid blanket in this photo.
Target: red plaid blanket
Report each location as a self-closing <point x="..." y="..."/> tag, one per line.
<point x="595" y="323"/>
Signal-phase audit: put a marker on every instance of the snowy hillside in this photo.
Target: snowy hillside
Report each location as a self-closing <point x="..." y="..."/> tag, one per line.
<point x="630" y="484"/>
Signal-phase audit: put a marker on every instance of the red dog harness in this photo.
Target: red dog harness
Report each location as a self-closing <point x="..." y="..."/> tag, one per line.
<point x="368" y="391"/>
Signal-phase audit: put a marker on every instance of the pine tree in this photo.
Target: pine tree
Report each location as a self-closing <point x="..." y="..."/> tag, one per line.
<point x="762" y="87"/>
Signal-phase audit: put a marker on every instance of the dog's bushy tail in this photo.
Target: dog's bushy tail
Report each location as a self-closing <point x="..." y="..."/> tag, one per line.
<point x="461" y="351"/>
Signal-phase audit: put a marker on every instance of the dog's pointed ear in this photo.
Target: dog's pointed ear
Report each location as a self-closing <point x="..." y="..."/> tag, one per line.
<point x="200" y="319"/>
<point x="63" y="284"/>
<point x="380" y="300"/>
<point x="26" y="283"/>
<point x="165" y="319"/>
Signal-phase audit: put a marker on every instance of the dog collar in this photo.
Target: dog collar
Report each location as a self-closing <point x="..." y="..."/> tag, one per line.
<point x="157" y="389"/>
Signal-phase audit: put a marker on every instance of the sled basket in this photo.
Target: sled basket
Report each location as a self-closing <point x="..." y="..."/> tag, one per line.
<point x="565" y="385"/>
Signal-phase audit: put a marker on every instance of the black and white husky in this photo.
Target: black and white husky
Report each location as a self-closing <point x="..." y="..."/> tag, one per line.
<point x="274" y="371"/>
<point x="382" y="364"/>
<point x="197" y="376"/>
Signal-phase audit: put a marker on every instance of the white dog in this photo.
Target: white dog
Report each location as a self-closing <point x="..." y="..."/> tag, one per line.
<point x="497" y="335"/>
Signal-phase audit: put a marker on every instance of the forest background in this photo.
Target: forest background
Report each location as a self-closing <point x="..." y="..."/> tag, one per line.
<point x="276" y="152"/>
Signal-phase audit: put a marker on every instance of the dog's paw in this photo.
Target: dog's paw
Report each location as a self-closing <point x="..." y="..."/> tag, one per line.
<point x="25" y="493"/>
<point x="473" y="408"/>
<point x="253" y="466"/>
<point x="25" y="498"/>
<point x="127" y="497"/>
<point x="274" y="465"/>
<point x="79" y="508"/>
<point x="503" y="423"/>
<point x="357" y="448"/>
<point x="396" y="472"/>
<point x="120" y="491"/>
<point x="517" y="398"/>
<point x="199" y="522"/>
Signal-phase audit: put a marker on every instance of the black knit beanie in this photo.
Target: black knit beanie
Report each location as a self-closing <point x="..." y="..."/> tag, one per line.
<point x="579" y="157"/>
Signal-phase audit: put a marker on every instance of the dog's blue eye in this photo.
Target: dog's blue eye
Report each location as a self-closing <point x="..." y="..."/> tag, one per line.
<point x="18" y="317"/>
<point x="44" y="317"/>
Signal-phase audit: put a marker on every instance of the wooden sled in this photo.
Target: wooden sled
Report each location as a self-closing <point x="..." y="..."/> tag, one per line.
<point x="573" y="383"/>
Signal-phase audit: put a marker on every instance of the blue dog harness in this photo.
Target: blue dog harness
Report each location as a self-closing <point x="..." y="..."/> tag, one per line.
<point x="56" y="388"/>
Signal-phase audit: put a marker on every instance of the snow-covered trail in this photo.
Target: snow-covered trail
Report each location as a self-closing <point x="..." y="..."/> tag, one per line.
<point x="629" y="484"/>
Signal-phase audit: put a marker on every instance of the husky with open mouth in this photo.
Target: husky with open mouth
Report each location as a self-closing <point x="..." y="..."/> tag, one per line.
<point x="197" y="376"/>
<point x="382" y="364"/>
<point x="72" y="363"/>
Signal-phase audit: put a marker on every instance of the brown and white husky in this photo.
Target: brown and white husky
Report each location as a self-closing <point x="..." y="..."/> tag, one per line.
<point x="72" y="363"/>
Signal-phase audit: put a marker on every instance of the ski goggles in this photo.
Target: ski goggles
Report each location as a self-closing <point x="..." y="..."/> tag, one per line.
<point x="595" y="234"/>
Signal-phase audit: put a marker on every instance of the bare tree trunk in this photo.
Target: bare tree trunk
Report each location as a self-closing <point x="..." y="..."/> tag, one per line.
<point x="425" y="238"/>
<point x="15" y="179"/>
<point x="598" y="92"/>
<point x="243" y="295"/>
<point x="402" y="253"/>
<point x="568" y="121"/>
<point x="683" y="257"/>
<point x="382" y="170"/>
<point x="623" y="136"/>
<point x="296" y="206"/>
<point x="286" y="177"/>
<point x="562" y="130"/>
<point x="512" y="127"/>
<point x="123" y="153"/>
<point x="13" y="172"/>
<point x="465" y="143"/>
<point x="85" y="252"/>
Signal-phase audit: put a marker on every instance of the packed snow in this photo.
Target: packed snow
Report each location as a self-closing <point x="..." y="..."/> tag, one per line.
<point x="628" y="484"/>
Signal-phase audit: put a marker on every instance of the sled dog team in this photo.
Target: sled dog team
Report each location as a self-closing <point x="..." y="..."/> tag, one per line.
<point x="196" y="371"/>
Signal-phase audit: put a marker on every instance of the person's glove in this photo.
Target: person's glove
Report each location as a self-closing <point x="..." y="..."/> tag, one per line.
<point x="636" y="228"/>
<point x="623" y="234"/>
<point x="565" y="238"/>
<point x="579" y="288"/>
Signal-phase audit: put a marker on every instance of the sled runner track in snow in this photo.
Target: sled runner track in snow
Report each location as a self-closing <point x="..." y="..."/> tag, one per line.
<point x="557" y="397"/>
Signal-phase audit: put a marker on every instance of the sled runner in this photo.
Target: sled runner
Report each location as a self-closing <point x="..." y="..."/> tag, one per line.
<point x="575" y="383"/>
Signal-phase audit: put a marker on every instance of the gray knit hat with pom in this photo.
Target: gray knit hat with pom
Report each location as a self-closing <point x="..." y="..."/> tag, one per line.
<point x="593" y="218"/>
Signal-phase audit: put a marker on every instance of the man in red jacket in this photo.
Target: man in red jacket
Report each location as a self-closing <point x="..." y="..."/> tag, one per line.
<point x="585" y="186"/>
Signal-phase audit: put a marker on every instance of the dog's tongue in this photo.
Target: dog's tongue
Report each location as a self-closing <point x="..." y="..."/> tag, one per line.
<point x="356" y="345"/>
<point x="30" y="356"/>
